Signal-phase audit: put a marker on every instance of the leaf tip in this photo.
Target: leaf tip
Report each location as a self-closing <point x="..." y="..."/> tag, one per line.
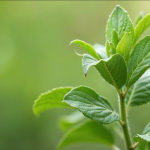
<point x="70" y="43"/>
<point x="117" y="5"/>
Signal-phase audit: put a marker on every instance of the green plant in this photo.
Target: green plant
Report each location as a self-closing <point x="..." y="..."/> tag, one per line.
<point x="124" y="64"/>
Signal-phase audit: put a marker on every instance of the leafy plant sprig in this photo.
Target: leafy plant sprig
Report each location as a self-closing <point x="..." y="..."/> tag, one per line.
<point x="124" y="63"/>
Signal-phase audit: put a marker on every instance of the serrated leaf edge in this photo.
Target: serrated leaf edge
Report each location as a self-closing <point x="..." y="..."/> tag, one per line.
<point x="127" y="15"/>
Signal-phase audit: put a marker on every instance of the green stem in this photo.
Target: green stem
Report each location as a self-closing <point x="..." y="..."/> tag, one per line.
<point x="135" y="145"/>
<point x="124" y="119"/>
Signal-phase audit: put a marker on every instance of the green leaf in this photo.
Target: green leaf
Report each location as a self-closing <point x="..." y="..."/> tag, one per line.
<point x="89" y="48"/>
<point x="113" y="69"/>
<point x="51" y="99"/>
<point x="100" y="50"/>
<point x="108" y="48"/>
<point x="139" y="61"/>
<point x="67" y="121"/>
<point x="87" y="62"/>
<point x="145" y="135"/>
<point x="120" y="22"/>
<point x="139" y="93"/>
<point x="124" y="46"/>
<point x="141" y="27"/>
<point x="88" y="131"/>
<point x="114" y="42"/>
<point x="139" y="18"/>
<point x="91" y="105"/>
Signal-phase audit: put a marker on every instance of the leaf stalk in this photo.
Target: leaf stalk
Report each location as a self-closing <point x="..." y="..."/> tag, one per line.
<point x="126" y="91"/>
<point x="135" y="145"/>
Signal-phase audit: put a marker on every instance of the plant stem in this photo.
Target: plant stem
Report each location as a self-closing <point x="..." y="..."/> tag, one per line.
<point x="124" y="119"/>
<point x="135" y="145"/>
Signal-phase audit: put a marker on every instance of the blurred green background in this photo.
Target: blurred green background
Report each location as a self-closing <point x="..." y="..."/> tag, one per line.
<point x="35" y="57"/>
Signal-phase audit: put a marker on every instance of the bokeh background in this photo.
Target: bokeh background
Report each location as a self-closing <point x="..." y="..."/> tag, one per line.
<point x="35" y="57"/>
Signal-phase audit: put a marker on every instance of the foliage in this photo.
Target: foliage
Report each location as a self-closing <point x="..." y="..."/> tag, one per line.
<point x="124" y="64"/>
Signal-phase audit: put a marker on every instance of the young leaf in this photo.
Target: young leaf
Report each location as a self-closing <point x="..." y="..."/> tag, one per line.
<point x="88" y="131"/>
<point x="141" y="27"/>
<point x="120" y="22"/>
<point x="145" y="135"/>
<point x="89" y="48"/>
<point x="139" y="61"/>
<point x="113" y="69"/>
<point x="51" y="99"/>
<point x="114" y="42"/>
<point x="139" y="93"/>
<point x="108" y="48"/>
<point x="100" y="50"/>
<point x="124" y="46"/>
<point x="138" y="18"/>
<point x="91" y="105"/>
<point x="67" y="121"/>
